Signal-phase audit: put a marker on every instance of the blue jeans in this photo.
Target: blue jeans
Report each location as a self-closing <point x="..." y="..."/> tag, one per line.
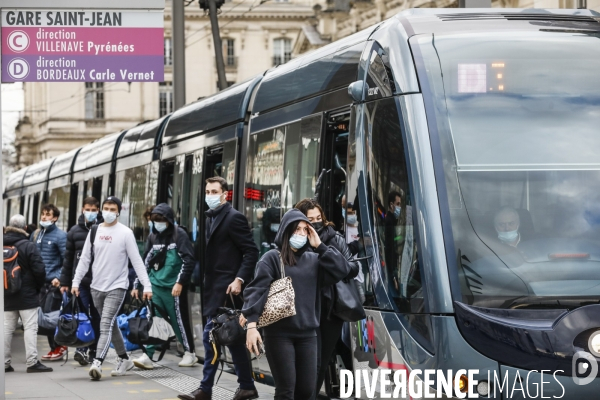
<point x="241" y="363"/>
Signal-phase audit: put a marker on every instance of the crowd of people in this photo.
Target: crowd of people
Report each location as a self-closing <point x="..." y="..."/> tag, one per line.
<point x="94" y="260"/>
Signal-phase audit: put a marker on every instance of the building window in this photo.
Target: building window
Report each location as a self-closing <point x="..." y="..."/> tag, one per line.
<point x="229" y="51"/>
<point x="94" y="100"/>
<point x="282" y="51"/>
<point x="168" y="52"/>
<point x="165" y="98"/>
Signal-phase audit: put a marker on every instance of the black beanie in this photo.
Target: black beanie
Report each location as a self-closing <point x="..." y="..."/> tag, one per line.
<point x="115" y="200"/>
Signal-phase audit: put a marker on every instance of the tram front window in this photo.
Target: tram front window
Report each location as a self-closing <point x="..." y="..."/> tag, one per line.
<point x="518" y="125"/>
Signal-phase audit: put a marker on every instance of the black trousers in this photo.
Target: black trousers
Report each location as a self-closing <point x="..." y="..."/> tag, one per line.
<point x="328" y="334"/>
<point x="293" y="363"/>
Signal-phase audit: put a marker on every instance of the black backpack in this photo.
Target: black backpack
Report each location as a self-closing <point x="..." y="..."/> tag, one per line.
<point x="12" y="270"/>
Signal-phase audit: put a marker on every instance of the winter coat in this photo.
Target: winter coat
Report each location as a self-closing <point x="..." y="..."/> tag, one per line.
<point x="230" y="253"/>
<point x="314" y="269"/>
<point x="51" y="243"/>
<point x="75" y="241"/>
<point x="330" y="237"/>
<point x="33" y="271"/>
<point x="180" y="261"/>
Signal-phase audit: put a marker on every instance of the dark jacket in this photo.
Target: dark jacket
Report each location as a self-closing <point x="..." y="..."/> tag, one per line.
<point x="34" y="271"/>
<point x="230" y="253"/>
<point x="330" y="237"/>
<point x="179" y="262"/>
<point x="51" y="244"/>
<point x="75" y="241"/>
<point x="314" y="269"/>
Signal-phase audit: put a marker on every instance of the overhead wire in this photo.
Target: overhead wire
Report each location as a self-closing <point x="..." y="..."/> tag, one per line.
<point x="205" y="25"/>
<point x="252" y="7"/>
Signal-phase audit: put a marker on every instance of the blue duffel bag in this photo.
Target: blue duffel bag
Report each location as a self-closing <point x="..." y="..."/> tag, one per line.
<point x="123" y="324"/>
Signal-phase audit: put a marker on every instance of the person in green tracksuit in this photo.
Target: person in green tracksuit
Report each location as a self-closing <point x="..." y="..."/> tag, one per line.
<point x="169" y="259"/>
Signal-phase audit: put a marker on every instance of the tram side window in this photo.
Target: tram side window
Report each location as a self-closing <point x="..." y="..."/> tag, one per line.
<point x="263" y="185"/>
<point x="60" y="197"/>
<point x="392" y="206"/>
<point x="301" y="161"/>
<point x="15" y="208"/>
<point x="136" y="187"/>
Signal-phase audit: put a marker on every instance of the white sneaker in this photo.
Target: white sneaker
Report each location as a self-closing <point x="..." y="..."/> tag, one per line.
<point x="143" y="362"/>
<point x="122" y="367"/>
<point x="189" y="359"/>
<point x="96" y="370"/>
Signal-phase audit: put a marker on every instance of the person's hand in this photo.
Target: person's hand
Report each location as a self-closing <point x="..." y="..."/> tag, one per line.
<point x="177" y="288"/>
<point x="135" y="293"/>
<point x="55" y="282"/>
<point x="253" y="339"/>
<point x="313" y="237"/>
<point x="75" y="291"/>
<point x="64" y="289"/>
<point x="243" y="320"/>
<point x="147" y="296"/>
<point x="235" y="287"/>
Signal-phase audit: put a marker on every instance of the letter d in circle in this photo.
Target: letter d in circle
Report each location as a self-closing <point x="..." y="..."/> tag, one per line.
<point x="584" y="363"/>
<point x="18" y="69"/>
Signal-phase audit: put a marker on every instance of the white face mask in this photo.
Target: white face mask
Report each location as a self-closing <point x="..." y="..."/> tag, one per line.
<point x="109" y="216"/>
<point x="46" y="224"/>
<point x="509" y="236"/>
<point x="213" y="201"/>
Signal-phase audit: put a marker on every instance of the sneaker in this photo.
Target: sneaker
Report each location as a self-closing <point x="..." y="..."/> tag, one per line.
<point x="39" y="367"/>
<point x="122" y="367"/>
<point x="48" y="356"/>
<point x="143" y="362"/>
<point x="189" y="359"/>
<point x="96" y="370"/>
<point x="59" y="353"/>
<point x="81" y="358"/>
<point x="8" y="368"/>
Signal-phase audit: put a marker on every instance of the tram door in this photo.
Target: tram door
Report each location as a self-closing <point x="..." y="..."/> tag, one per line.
<point x="182" y="187"/>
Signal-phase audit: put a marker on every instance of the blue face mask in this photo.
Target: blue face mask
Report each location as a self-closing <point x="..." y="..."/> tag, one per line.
<point x="298" y="241"/>
<point x="352" y="219"/>
<point x="397" y="211"/>
<point x="509" y="236"/>
<point x="90" y="216"/>
<point x="160" y="226"/>
<point x="213" y="201"/>
<point x="150" y="225"/>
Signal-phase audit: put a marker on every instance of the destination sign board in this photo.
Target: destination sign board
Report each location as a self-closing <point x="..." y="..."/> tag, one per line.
<point x="82" y="46"/>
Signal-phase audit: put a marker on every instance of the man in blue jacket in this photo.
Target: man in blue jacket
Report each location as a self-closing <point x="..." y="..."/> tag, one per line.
<point x="51" y="242"/>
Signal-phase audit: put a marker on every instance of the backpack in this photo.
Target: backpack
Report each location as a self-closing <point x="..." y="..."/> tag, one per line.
<point x="12" y="270"/>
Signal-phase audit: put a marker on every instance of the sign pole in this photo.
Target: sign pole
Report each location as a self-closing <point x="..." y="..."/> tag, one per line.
<point x="178" y="28"/>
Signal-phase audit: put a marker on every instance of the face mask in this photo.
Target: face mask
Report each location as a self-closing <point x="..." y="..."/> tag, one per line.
<point x="150" y="225"/>
<point x="352" y="219"/>
<point x="90" y="216"/>
<point x="46" y="224"/>
<point x="509" y="236"/>
<point x="397" y="211"/>
<point x="298" y="241"/>
<point x="160" y="226"/>
<point x="343" y="213"/>
<point x="318" y="226"/>
<point x="274" y="227"/>
<point x="109" y="216"/>
<point x="213" y="201"/>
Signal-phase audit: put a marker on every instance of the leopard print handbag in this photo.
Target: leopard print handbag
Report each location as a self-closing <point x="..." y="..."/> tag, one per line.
<point x="281" y="301"/>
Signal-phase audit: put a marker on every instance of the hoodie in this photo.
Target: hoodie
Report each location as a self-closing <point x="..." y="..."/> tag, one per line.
<point x="179" y="262"/>
<point x="314" y="269"/>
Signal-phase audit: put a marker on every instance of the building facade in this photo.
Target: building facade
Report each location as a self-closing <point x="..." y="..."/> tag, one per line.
<point x="256" y="35"/>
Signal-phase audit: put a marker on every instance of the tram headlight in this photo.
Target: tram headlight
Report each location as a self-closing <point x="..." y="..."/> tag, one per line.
<point x="594" y="344"/>
<point x="463" y="383"/>
<point x="483" y="388"/>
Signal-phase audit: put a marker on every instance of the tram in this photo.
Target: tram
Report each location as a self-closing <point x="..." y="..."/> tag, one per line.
<point x="465" y="141"/>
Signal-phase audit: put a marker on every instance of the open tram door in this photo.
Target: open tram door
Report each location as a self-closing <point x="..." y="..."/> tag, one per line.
<point x="182" y="187"/>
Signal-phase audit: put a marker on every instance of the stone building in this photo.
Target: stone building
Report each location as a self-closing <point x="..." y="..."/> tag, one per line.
<point x="256" y="35"/>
